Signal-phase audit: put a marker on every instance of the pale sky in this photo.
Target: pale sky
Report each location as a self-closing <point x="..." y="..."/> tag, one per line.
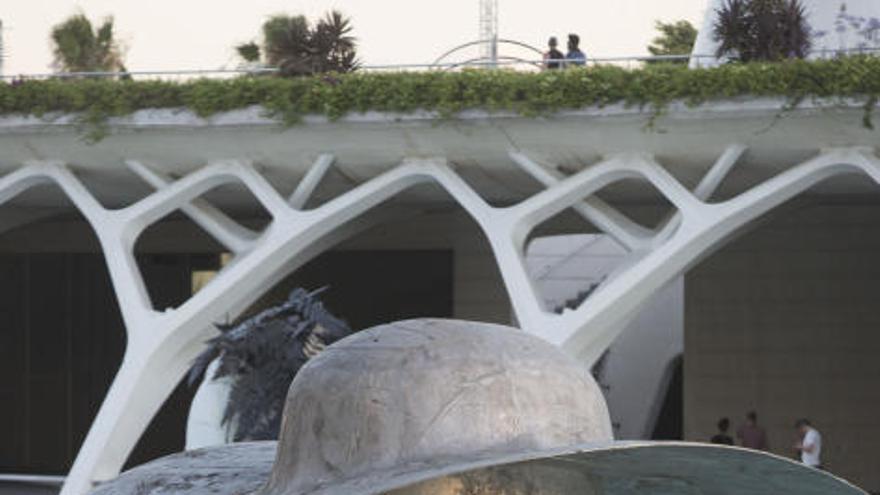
<point x="200" y="34"/>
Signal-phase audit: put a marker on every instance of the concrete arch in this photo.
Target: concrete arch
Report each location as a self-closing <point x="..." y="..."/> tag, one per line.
<point x="162" y="345"/>
<point x="588" y="330"/>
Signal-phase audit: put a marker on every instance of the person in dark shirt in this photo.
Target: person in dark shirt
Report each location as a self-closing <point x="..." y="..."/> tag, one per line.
<point x="722" y="438"/>
<point x="553" y="54"/>
<point x="751" y="435"/>
<point x="575" y="57"/>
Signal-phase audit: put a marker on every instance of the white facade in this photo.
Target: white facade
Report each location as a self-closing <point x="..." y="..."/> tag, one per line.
<point x="204" y="426"/>
<point x="685" y="165"/>
<point x="635" y="371"/>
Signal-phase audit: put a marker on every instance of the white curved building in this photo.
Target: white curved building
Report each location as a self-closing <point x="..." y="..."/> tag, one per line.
<point x="838" y="25"/>
<point x="783" y="320"/>
<point x="766" y="225"/>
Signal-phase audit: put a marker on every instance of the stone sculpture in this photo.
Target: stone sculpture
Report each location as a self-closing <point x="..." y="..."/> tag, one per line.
<point x="439" y="407"/>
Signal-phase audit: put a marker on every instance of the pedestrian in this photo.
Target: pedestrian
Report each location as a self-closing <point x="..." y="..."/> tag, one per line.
<point x="575" y="56"/>
<point x="722" y="438"/>
<point x="751" y="435"/>
<point x="810" y="444"/>
<point x="553" y="54"/>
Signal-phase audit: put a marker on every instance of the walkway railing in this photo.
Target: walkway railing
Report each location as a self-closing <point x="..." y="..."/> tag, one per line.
<point x="630" y="62"/>
<point x="504" y="62"/>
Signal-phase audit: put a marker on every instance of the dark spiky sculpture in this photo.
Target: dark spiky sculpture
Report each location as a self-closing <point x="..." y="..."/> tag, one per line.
<point x="263" y="354"/>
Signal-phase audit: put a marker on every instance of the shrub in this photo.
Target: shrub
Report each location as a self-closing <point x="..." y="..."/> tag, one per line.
<point x="448" y="93"/>
<point x="768" y="30"/>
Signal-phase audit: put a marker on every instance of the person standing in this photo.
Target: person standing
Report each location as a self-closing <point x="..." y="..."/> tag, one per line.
<point x="722" y="438"/>
<point x="752" y="436"/>
<point x="553" y="54"/>
<point x="810" y="445"/>
<point x="575" y="56"/>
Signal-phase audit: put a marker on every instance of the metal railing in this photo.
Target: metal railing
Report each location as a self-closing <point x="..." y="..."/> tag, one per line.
<point x="504" y="62"/>
<point x="32" y="479"/>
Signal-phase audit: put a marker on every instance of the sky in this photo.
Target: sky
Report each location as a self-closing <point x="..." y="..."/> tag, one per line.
<point x="201" y="34"/>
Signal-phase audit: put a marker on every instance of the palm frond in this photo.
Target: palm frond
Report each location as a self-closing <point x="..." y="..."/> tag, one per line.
<point x="77" y="47"/>
<point x="250" y="51"/>
<point x="762" y="30"/>
<point x="263" y="354"/>
<point x="297" y="48"/>
<point x="731" y="27"/>
<point x="798" y="32"/>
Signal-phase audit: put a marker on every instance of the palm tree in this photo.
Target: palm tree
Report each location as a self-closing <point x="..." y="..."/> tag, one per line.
<point x="77" y="47"/>
<point x="297" y="48"/>
<point x="751" y="30"/>
<point x="334" y="47"/>
<point x="286" y="43"/>
<point x="675" y="38"/>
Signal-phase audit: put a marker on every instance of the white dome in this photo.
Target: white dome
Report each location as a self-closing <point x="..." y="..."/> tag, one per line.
<point x="839" y="24"/>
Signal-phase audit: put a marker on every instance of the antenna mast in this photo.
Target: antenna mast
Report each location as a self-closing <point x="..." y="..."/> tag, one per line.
<point x="489" y="30"/>
<point x="1" y="47"/>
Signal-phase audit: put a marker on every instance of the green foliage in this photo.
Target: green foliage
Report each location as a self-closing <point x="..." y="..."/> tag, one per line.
<point x="77" y="47"/>
<point x="751" y="30"/>
<point x="676" y="38"/>
<point x="448" y="93"/>
<point x="297" y="48"/>
<point x="250" y="51"/>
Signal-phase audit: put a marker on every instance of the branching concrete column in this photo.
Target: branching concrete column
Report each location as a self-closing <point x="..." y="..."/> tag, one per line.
<point x="161" y="346"/>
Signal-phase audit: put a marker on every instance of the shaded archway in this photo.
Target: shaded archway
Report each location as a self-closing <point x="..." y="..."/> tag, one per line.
<point x="783" y="321"/>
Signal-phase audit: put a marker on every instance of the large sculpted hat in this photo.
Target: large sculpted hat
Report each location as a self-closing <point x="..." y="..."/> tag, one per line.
<point x="440" y="407"/>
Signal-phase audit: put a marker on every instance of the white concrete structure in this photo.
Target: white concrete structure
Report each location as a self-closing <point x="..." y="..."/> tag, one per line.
<point x="701" y="146"/>
<point x="838" y="25"/>
<point x="636" y="369"/>
<point x="783" y="321"/>
<point x="204" y="425"/>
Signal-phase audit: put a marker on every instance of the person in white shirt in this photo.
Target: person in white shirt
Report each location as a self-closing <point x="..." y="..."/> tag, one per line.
<point x="810" y="446"/>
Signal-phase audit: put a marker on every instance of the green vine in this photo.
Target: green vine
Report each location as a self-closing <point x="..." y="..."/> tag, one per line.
<point x="448" y="93"/>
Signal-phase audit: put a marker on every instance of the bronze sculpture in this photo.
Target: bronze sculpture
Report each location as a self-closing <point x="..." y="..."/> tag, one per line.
<point x="441" y="407"/>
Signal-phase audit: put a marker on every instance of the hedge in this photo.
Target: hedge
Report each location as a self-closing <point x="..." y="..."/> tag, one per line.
<point x="448" y="93"/>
